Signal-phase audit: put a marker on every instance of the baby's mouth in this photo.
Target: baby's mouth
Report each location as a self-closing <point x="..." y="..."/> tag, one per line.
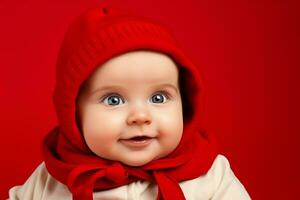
<point x="137" y="141"/>
<point x="139" y="138"/>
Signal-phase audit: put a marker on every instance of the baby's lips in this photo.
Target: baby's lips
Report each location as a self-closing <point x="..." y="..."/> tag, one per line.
<point x="138" y="137"/>
<point x="137" y="142"/>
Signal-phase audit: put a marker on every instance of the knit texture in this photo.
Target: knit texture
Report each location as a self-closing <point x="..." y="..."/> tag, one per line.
<point x="92" y="39"/>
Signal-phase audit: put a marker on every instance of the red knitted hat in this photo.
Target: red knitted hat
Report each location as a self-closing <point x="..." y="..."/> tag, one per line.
<point x="92" y="39"/>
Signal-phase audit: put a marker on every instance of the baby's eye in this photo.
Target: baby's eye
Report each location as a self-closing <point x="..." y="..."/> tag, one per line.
<point x="159" y="98"/>
<point x="112" y="100"/>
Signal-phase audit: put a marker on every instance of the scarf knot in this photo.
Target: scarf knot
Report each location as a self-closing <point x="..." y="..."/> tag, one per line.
<point x="116" y="173"/>
<point x="79" y="183"/>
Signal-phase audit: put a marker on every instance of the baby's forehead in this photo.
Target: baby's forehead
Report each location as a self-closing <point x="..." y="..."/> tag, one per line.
<point x="130" y="70"/>
<point x="139" y="67"/>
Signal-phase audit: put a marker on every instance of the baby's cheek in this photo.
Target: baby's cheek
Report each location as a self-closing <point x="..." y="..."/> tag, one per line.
<point x="97" y="122"/>
<point x="171" y="122"/>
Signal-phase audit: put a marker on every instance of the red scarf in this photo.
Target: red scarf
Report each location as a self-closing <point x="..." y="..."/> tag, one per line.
<point x="84" y="173"/>
<point x="67" y="157"/>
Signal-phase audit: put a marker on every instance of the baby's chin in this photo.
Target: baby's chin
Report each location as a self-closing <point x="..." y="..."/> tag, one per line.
<point x="139" y="161"/>
<point x="135" y="164"/>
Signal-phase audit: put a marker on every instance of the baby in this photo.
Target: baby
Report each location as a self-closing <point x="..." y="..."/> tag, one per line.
<point x="127" y="101"/>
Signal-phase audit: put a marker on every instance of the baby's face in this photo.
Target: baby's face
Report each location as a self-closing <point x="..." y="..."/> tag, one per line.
<point x="130" y="110"/>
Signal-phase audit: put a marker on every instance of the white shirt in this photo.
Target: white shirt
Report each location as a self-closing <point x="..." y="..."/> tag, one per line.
<point x="219" y="183"/>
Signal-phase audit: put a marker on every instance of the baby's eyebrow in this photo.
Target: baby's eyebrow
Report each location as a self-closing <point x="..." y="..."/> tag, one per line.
<point x="120" y="87"/>
<point x="109" y="87"/>
<point x="167" y="85"/>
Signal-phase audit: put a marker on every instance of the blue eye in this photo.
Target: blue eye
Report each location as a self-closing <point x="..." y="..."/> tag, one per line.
<point x="159" y="98"/>
<point x="112" y="100"/>
<point x="115" y="99"/>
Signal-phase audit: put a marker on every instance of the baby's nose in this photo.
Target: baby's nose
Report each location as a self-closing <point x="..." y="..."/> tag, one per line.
<point x="139" y="116"/>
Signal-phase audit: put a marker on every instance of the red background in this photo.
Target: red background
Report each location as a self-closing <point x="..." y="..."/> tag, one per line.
<point x="246" y="51"/>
